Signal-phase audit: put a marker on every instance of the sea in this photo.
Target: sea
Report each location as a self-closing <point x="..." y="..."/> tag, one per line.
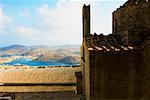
<point x="29" y="62"/>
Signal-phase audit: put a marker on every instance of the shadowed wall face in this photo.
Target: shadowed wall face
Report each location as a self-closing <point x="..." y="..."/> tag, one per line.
<point x="119" y="75"/>
<point x="86" y="21"/>
<point x="85" y="52"/>
<point x="111" y="75"/>
<point x="132" y="22"/>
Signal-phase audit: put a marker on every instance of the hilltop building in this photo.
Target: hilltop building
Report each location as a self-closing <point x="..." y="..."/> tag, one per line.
<point x="117" y="66"/>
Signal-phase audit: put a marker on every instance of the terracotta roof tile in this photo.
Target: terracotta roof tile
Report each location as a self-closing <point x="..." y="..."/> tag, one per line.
<point x="107" y="43"/>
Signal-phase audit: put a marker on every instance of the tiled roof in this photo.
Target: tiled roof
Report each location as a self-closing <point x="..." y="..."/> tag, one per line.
<point x="107" y="43"/>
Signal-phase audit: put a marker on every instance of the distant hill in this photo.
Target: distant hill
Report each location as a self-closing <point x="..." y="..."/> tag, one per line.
<point x="50" y="56"/>
<point x="16" y="46"/>
<point x="70" y="60"/>
<point x="13" y="50"/>
<point x="65" y="53"/>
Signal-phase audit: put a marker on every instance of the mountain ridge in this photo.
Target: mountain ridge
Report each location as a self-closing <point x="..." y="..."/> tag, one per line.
<point x="64" y="54"/>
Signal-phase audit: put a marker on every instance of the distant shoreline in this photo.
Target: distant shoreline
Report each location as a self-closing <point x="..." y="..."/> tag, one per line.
<point x="33" y="67"/>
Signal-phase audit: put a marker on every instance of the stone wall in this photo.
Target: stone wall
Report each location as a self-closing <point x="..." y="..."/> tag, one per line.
<point x="135" y="16"/>
<point x="42" y="96"/>
<point x="85" y="64"/>
<point x="146" y="64"/>
<point x="85" y="61"/>
<point x="119" y="75"/>
<point x="47" y="96"/>
<point x="86" y="21"/>
<point x="111" y="76"/>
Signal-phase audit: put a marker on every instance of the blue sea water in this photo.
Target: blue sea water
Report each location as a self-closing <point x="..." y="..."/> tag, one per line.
<point x="29" y="62"/>
<point x="5" y="56"/>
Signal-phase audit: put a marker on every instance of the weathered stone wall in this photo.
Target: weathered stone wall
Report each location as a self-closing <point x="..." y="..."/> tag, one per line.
<point x="146" y="64"/>
<point x="85" y="64"/>
<point x="119" y="75"/>
<point x="131" y="16"/>
<point x="122" y="75"/>
<point x="47" y="96"/>
<point x="86" y="21"/>
<point x="139" y="76"/>
<point x="134" y="16"/>
<point x="110" y="75"/>
<point x="132" y="22"/>
<point x="40" y="96"/>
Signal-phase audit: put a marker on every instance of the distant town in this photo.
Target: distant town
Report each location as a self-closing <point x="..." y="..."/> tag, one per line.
<point x="16" y="56"/>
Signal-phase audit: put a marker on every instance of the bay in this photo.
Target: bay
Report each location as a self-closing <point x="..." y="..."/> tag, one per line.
<point x="28" y="62"/>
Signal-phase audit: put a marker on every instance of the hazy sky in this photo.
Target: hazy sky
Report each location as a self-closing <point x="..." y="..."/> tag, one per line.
<point x="52" y="22"/>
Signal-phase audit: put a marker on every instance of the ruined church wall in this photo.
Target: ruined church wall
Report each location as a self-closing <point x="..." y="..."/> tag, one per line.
<point x="110" y="76"/>
<point x="129" y="16"/>
<point x="116" y="76"/>
<point x="46" y="96"/>
<point x="146" y="64"/>
<point x="140" y="71"/>
<point x="85" y="63"/>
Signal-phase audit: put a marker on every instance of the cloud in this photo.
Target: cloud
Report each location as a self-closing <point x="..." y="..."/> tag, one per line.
<point x="44" y="10"/>
<point x="28" y="34"/>
<point x="25" y="31"/>
<point x="4" y="20"/>
<point x="62" y="24"/>
<point x="56" y="26"/>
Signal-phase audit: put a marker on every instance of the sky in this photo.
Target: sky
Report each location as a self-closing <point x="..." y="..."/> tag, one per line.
<point x="52" y="22"/>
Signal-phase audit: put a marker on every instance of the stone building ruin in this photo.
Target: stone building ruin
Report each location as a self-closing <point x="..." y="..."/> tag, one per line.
<point x="117" y="66"/>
